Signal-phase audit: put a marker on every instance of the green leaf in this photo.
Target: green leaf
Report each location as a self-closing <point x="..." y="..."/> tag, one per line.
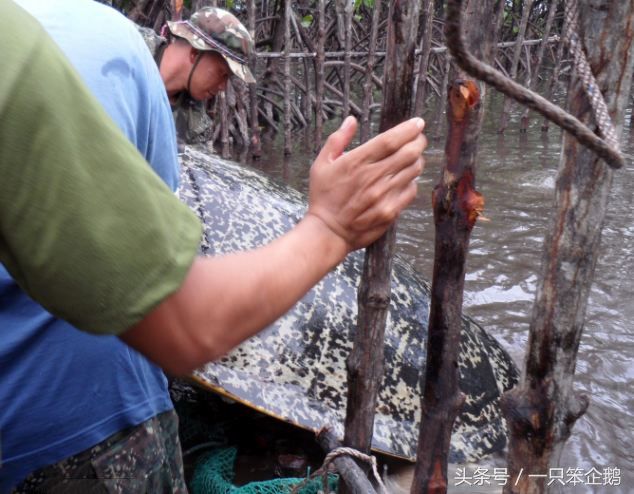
<point x="307" y="20"/>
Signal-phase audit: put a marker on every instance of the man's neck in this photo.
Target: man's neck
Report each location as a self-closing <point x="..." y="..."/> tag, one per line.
<point x="173" y="71"/>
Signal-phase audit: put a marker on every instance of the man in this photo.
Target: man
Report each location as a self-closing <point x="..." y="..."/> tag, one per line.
<point x="102" y="252"/>
<point x="196" y="62"/>
<point x="127" y="390"/>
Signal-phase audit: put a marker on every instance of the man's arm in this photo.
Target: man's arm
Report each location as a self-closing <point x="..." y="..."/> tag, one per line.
<point x="93" y="234"/>
<point x="226" y="299"/>
<point x="86" y="227"/>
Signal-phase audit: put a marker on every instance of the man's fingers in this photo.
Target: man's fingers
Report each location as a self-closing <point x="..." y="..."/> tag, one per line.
<point x="407" y="174"/>
<point x="385" y="201"/>
<point x="388" y="142"/>
<point x="338" y="140"/>
<point x="403" y="158"/>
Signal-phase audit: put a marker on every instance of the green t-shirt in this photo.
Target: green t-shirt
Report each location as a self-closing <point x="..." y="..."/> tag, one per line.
<point x="86" y="227"/>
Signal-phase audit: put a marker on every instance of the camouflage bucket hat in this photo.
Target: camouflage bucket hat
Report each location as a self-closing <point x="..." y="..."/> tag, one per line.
<point x="214" y="29"/>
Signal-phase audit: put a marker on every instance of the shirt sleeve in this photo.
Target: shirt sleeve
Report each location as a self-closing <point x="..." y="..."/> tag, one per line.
<point x="86" y="228"/>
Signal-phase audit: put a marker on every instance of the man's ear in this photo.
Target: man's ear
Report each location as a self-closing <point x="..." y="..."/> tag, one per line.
<point x="193" y="53"/>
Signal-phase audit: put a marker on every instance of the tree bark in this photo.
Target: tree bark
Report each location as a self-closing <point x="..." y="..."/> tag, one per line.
<point x="542" y="410"/>
<point x="531" y="82"/>
<point x="368" y="85"/>
<point x="421" y="92"/>
<point x="443" y="97"/>
<point x="354" y="477"/>
<point x="287" y="77"/>
<point x="349" y="10"/>
<point x="554" y="78"/>
<point x="319" y="73"/>
<point x="224" y="122"/>
<point x="456" y="207"/>
<point x="256" y="145"/>
<point x="526" y="12"/>
<point x="365" y="363"/>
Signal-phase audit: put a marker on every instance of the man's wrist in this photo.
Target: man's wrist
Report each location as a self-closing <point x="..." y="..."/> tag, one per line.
<point x="331" y="244"/>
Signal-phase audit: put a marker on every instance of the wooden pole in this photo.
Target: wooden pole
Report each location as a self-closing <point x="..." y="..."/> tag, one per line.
<point x="319" y="73"/>
<point x="256" y="144"/>
<point x="531" y="82"/>
<point x="425" y="50"/>
<point x="349" y="10"/>
<point x="369" y="72"/>
<point x="355" y="478"/>
<point x="224" y="121"/>
<point x="526" y="12"/>
<point x="365" y="363"/>
<point x="443" y="96"/>
<point x="554" y="78"/>
<point x="307" y="98"/>
<point x="542" y="410"/>
<point x="456" y="207"/>
<point x="287" y="77"/>
<point x="177" y="9"/>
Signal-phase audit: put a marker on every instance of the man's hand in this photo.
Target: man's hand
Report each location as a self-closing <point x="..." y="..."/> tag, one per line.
<point x="357" y="195"/>
<point x="226" y="299"/>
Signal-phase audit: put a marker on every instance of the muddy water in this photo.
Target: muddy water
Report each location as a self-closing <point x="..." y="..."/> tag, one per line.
<point x="517" y="175"/>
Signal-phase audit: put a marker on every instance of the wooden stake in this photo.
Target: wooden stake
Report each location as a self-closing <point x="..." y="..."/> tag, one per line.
<point x="369" y="72"/>
<point x="319" y="74"/>
<point x="526" y="12"/>
<point x="542" y="410"/>
<point x="287" y="77"/>
<point x="532" y="81"/>
<point x="365" y="363"/>
<point x="255" y="143"/>
<point x="349" y="10"/>
<point x="421" y="93"/>
<point x="354" y="477"/>
<point x="456" y="207"/>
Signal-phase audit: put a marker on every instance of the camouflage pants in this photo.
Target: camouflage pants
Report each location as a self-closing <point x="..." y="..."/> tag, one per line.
<point x="143" y="459"/>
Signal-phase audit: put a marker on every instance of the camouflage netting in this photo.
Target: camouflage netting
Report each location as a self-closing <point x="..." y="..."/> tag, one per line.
<point x="214" y="474"/>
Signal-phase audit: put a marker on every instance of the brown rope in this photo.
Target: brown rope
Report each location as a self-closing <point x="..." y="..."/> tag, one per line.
<point x="469" y="63"/>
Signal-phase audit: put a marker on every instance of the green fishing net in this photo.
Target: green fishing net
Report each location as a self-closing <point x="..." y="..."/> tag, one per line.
<point x="214" y="474"/>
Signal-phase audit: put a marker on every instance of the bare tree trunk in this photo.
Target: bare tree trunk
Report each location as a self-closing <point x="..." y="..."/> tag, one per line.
<point x="526" y="12"/>
<point x="349" y="10"/>
<point x="224" y="122"/>
<point x="443" y="96"/>
<point x="532" y="82"/>
<point x="369" y="72"/>
<point x="355" y="478"/>
<point x="307" y="98"/>
<point x="240" y="113"/>
<point x="287" y="77"/>
<point x="421" y="93"/>
<point x="319" y="73"/>
<point x="544" y="407"/>
<point x="256" y="145"/>
<point x="365" y="363"/>
<point x="176" y="8"/>
<point x="456" y="207"/>
<point x="554" y="78"/>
